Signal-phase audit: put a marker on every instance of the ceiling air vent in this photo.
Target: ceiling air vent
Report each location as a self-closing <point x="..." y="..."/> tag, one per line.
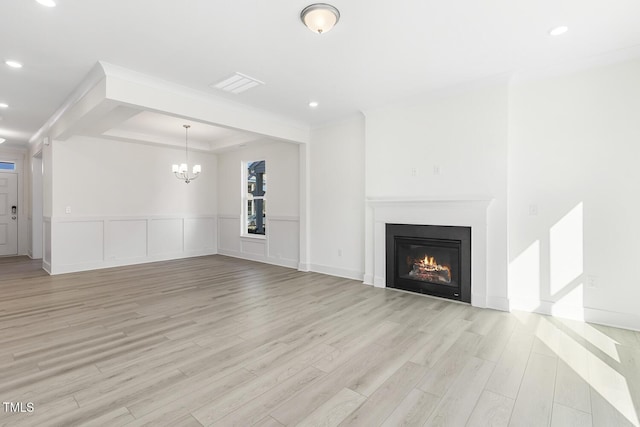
<point x="237" y="83"/>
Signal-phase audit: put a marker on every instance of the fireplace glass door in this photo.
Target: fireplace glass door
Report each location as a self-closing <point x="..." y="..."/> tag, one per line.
<point x="429" y="260"/>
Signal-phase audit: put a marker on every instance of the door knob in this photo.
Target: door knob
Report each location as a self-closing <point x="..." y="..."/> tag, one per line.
<point x="13" y="217"/>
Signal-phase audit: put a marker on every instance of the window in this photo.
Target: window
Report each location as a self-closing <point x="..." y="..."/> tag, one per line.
<point x="7" y="166"/>
<point x="255" y="199"/>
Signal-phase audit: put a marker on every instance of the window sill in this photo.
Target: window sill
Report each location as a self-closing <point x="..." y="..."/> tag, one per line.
<point x="253" y="236"/>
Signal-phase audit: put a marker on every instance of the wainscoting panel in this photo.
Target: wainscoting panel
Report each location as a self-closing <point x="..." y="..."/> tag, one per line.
<point x="199" y="234"/>
<point x="29" y="237"/>
<point x="79" y="244"/>
<point x="229" y="232"/>
<point x="166" y="236"/>
<point x="126" y="239"/>
<point x="46" y="256"/>
<point x="284" y="239"/>
<point x="279" y="247"/>
<point x="253" y="246"/>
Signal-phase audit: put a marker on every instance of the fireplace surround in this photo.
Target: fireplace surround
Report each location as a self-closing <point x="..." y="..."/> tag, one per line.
<point x="465" y="211"/>
<point x="429" y="259"/>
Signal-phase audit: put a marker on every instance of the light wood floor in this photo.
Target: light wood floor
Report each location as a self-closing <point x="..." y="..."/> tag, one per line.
<point x="220" y="341"/>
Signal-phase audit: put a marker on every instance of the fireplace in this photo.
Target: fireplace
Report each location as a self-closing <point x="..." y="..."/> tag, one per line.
<point x="429" y="259"/>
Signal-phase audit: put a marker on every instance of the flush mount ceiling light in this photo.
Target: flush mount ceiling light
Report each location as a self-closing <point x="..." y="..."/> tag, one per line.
<point x="320" y="17"/>
<point x="182" y="171"/>
<point x="558" y="30"/>
<point x="313" y="104"/>
<point x="13" y="64"/>
<point x="3" y="105"/>
<point x="47" y="3"/>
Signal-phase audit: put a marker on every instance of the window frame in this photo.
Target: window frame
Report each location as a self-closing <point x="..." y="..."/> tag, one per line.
<point x="8" y="162"/>
<point x="244" y="224"/>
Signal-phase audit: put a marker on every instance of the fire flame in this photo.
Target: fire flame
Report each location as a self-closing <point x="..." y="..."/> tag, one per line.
<point x="430" y="264"/>
<point x="428" y="269"/>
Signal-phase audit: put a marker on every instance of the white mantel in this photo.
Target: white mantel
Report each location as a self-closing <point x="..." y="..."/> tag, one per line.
<point x="467" y="211"/>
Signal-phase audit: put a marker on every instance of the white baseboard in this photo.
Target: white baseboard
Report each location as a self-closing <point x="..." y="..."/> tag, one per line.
<point x="379" y="282"/>
<point x="338" y="272"/>
<point x="498" y="303"/>
<point x="368" y="279"/>
<point x="289" y="263"/>
<point x="46" y="267"/>
<point x="609" y="318"/>
<point x="303" y="267"/>
<point x="587" y="314"/>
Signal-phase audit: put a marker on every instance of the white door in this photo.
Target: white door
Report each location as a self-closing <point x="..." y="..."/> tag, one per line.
<point x="8" y="213"/>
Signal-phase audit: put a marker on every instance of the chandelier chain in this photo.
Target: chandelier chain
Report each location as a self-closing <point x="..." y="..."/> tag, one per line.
<point x="186" y="143"/>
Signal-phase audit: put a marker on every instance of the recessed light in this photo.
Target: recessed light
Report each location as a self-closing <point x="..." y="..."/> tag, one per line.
<point x="13" y="64"/>
<point x="3" y="105"/>
<point x="2" y="140"/>
<point x="558" y="31"/>
<point x="313" y="104"/>
<point x="48" y="3"/>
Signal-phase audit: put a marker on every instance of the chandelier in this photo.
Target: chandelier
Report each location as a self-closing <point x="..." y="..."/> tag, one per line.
<point x="182" y="171"/>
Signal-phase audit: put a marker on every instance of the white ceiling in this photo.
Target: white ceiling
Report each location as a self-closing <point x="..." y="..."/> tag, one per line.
<point x="154" y="128"/>
<point x="379" y="53"/>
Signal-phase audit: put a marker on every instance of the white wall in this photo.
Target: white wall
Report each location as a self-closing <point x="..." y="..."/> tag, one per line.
<point x="449" y="147"/>
<point x="105" y="177"/>
<point x="125" y="205"/>
<point x="573" y="158"/>
<point x="281" y="244"/>
<point x="337" y="198"/>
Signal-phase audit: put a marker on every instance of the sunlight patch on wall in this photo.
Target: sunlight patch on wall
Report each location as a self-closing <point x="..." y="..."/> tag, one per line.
<point x="566" y="250"/>
<point x="570" y="305"/>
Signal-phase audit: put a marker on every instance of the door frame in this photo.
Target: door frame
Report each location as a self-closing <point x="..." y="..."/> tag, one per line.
<point x="17" y="156"/>
<point x="10" y="218"/>
<point x="36" y="226"/>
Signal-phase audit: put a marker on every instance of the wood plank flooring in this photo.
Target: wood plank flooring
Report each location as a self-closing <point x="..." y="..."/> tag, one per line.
<point x="226" y="342"/>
